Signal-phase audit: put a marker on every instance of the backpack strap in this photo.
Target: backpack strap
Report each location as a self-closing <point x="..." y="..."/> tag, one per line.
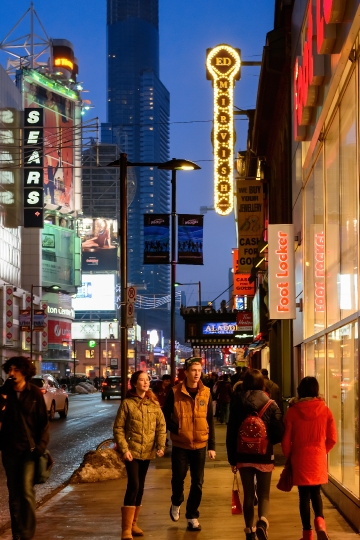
<point x="265" y="407"/>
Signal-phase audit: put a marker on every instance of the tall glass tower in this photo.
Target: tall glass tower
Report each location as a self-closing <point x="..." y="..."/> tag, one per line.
<point x="138" y="122"/>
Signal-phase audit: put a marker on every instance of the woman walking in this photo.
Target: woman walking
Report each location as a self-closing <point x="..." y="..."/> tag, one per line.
<point x="252" y="406"/>
<point x="310" y="434"/>
<point x="139" y="432"/>
<point x="223" y="398"/>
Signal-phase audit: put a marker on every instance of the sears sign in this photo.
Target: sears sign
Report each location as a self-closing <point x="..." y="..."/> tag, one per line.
<point x="33" y="168"/>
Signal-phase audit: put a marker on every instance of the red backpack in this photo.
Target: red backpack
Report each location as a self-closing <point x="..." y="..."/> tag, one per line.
<point x="252" y="436"/>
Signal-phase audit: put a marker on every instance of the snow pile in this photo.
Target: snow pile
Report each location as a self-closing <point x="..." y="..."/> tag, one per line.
<point x="88" y="387"/>
<point x="80" y="389"/>
<point x="99" y="466"/>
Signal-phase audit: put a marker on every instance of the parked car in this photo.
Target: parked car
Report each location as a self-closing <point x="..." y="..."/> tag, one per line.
<point x="56" y="398"/>
<point x="111" y="386"/>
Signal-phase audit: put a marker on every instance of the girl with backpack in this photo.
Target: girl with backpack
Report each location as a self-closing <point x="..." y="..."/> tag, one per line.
<point x="310" y="434"/>
<point x="253" y="412"/>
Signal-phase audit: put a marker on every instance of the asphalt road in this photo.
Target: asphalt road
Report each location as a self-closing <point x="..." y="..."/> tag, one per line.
<point x="90" y="421"/>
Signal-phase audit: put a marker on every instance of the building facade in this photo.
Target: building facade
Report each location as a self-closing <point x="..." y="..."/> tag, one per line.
<point x="138" y="122"/>
<point x="325" y="203"/>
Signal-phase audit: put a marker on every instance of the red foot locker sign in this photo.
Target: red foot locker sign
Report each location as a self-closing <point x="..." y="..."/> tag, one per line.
<point x="282" y="303"/>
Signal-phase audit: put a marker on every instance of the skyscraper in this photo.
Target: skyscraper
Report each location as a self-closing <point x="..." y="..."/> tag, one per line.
<point x="138" y="122"/>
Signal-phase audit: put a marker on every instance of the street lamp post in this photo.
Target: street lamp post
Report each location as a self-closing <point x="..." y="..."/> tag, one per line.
<point x="199" y="290"/>
<point x="172" y="165"/>
<point x="47" y="289"/>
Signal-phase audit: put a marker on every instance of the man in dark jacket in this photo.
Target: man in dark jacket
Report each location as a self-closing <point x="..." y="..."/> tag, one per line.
<point x="162" y="389"/>
<point x="272" y="389"/>
<point x="24" y="436"/>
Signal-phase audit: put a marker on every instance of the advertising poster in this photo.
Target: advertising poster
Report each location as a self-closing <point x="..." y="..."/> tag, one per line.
<point x="59" y="115"/>
<point x="25" y="320"/>
<point x="99" y="245"/>
<point x="250" y="210"/>
<point x="59" y="331"/>
<point x="156" y="239"/>
<point x="57" y="255"/>
<point x="97" y="293"/>
<point x="190" y="239"/>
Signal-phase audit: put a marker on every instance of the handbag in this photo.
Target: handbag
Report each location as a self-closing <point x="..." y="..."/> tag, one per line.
<point x="236" y="507"/>
<point x="286" y="480"/>
<point x="44" y="462"/>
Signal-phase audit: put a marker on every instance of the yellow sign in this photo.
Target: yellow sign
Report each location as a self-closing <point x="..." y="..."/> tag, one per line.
<point x="250" y="209"/>
<point x="64" y="62"/>
<point x="223" y="67"/>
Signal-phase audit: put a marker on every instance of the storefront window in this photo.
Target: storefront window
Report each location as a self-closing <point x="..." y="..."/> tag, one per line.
<point x="315" y="362"/>
<point x="342" y="357"/>
<point x="315" y="251"/>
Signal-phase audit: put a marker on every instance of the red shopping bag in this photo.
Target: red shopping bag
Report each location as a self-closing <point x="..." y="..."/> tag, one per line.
<point x="236" y="507"/>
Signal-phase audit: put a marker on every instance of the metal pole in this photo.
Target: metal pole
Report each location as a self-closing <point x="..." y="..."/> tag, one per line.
<point x="173" y="275"/>
<point x="31" y="321"/>
<point x="99" y="348"/>
<point x="199" y="295"/>
<point x="123" y="274"/>
<point x="106" y="359"/>
<point x="74" y="354"/>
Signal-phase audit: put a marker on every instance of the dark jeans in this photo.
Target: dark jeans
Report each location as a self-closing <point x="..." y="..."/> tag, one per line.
<point x="20" y="481"/>
<point x="224" y="411"/>
<point x="136" y="472"/>
<point x="181" y="460"/>
<point x="307" y="493"/>
<point x="263" y="480"/>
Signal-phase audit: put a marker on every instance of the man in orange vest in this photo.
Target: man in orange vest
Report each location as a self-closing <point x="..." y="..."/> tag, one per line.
<point x="189" y="417"/>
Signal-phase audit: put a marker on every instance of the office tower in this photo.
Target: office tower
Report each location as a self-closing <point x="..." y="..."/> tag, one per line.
<point x="138" y="122"/>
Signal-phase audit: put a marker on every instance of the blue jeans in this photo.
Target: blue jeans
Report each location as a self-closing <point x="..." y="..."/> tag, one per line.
<point x="20" y="470"/>
<point x="181" y="460"/>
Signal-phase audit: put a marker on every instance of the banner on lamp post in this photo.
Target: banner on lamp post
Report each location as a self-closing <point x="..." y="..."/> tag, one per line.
<point x="9" y="310"/>
<point x="190" y="239"/>
<point x="282" y="303"/>
<point x="156" y="239"/>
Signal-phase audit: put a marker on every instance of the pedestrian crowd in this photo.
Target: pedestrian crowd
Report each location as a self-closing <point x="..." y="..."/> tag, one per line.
<point x="249" y="403"/>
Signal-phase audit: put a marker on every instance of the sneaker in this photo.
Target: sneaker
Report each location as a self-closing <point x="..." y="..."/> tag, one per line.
<point x="175" y="512"/>
<point x="193" y="525"/>
<point x="261" y="529"/>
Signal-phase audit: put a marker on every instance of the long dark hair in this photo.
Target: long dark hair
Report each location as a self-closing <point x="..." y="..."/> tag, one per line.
<point x="308" y="387"/>
<point x="253" y="380"/>
<point x="149" y="394"/>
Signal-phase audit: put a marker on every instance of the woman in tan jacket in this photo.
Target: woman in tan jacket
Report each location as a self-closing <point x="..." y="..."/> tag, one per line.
<point x="140" y="433"/>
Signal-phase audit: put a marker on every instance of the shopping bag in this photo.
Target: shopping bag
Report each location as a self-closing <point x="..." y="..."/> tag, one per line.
<point x="236" y="507"/>
<point x="286" y="481"/>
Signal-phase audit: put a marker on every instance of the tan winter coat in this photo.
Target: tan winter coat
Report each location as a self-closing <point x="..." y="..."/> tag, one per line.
<point x="139" y="428"/>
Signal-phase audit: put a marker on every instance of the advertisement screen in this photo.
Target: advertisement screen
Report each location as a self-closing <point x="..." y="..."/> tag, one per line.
<point x="59" y="135"/>
<point x="99" y="243"/>
<point x="57" y="255"/>
<point x="97" y="293"/>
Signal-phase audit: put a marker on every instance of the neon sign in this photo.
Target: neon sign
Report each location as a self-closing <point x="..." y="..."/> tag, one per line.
<point x="319" y="272"/>
<point x="309" y="67"/>
<point x="64" y="62"/>
<point x="33" y="168"/>
<point x="223" y="67"/>
<point x="219" y="328"/>
<point x="281" y="272"/>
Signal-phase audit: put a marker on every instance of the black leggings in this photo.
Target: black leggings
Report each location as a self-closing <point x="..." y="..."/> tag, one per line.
<point x="307" y="493"/>
<point x="136" y="472"/>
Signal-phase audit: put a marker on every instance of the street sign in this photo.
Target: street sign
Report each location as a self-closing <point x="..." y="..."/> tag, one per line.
<point x="92" y="343"/>
<point x="130" y="315"/>
<point x="131" y="294"/>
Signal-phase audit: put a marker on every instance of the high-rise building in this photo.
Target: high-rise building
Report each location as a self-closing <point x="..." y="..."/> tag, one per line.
<point x="138" y="122"/>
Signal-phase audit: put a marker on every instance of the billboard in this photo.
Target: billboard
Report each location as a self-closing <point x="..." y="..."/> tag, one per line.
<point x="59" y="137"/>
<point x="97" y="293"/>
<point x="86" y="330"/>
<point x="59" y="331"/>
<point x="99" y="244"/>
<point x="57" y="255"/>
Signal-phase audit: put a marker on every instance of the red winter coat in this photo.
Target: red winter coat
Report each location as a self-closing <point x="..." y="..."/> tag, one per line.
<point x="310" y="433"/>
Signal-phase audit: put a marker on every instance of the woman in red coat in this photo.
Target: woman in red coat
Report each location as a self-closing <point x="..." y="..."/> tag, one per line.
<point x="310" y="434"/>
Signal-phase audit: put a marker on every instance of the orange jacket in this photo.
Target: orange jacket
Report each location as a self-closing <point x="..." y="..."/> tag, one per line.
<point x="190" y="415"/>
<point x="310" y="433"/>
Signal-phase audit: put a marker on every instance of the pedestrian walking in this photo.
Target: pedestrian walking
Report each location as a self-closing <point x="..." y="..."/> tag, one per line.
<point x="22" y="414"/>
<point x="213" y="390"/>
<point x="162" y="389"/>
<point x="255" y="424"/>
<point x="189" y="417"/>
<point x="140" y="433"/>
<point x="310" y="434"/>
<point x="272" y="388"/>
<point x="223" y="398"/>
<point x="236" y="376"/>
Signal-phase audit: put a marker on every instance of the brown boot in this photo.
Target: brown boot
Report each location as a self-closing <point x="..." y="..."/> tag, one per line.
<point x="136" y="531"/>
<point x="127" y="513"/>
<point x="320" y="528"/>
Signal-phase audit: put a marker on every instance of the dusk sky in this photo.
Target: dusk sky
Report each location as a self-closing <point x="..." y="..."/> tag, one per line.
<point x="187" y="29"/>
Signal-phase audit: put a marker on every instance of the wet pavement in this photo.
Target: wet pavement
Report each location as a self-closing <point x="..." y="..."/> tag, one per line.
<point x="90" y="421"/>
<point x="92" y="511"/>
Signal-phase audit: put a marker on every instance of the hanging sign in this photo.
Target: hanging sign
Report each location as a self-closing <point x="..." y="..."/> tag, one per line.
<point x="9" y="310"/>
<point x="156" y="239"/>
<point x="33" y="168"/>
<point x="223" y="68"/>
<point x="282" y="304"/>
<point x="190" y="239"/>
<point x="250" y="213"/>
<point x="45" y="334"/>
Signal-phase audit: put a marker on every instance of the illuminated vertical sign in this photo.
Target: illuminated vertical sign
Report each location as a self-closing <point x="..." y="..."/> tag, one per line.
<point x="10" y="163"/>
<point x="282" y="303"/>
<point x="319" y="283"/>
<point x="223" y="67"/>
<point x="33" y="168"/>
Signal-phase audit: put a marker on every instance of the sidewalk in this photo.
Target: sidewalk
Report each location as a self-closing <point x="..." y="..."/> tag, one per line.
<point x="93" y="510"/>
